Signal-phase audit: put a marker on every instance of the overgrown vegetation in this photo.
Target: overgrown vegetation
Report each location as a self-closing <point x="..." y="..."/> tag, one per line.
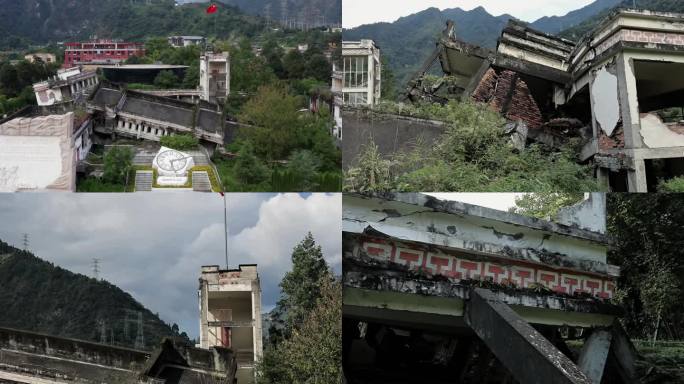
<point x="283" y="148"/>
<point x="180" y="142"/>
<point x="544" y="205"/>
<point x="647" y="244"/>
<point x="674" y="185"/>
<point x="16" y="83"/>
<point x="473" y="154"/>
<point x="117" y="175"/>
<point x="308" y="349"/>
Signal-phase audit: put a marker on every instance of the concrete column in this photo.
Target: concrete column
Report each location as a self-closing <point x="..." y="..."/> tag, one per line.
<point x="629" y="103"/>
<point x="527" y="355"/>
<point x="637" y="177"/>
<point x="204" y="310"/>
<point x="603" y="177"/>
<point x="256" y="316"/>
<point x="592" y="360"/>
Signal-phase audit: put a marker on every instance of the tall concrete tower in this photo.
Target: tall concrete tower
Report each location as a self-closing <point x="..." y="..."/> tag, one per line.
<point x="230" y="313"/>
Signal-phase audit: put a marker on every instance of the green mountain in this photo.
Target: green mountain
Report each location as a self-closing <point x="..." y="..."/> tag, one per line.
<point x="25" y="22"/>
<point x="310" y="12"/>
<point x="576" y="32"/>
<point x="555" y="24"/>
<point x="37" y="296"/>
<point x="407" y="42"/>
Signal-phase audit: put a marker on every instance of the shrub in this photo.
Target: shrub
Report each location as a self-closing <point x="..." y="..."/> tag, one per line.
<point x="117" y="163"/>
<point x="180" y="142"/>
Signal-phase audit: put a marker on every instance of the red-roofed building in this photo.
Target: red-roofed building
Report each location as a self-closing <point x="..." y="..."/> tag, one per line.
<point x="100" y="52"/>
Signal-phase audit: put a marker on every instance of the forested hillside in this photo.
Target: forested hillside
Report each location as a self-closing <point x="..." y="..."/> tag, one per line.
<point x="407" y="42"/>
<point x="25" y="22"/>
<point x="37" y="296"/>
<point x="576" y="32"/>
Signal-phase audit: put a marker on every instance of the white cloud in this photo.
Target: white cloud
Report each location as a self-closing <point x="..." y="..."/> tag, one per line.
<point x="153" y="245"/>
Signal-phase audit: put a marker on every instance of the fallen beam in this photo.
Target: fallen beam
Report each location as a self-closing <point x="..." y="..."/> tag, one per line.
<point x="529" y="356"/>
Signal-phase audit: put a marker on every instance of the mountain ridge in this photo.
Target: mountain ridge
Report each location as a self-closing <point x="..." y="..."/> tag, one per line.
<point x="37" y="296"/>
<point x="407" y="41"/>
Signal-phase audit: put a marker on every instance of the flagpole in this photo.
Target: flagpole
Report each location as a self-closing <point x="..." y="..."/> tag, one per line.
<point x="225" y="226"/>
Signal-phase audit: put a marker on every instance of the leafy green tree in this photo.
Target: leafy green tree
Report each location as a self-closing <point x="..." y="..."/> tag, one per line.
<point x="275" y="117"/>
<point x="294" y="64"/>
<point x="319" y="68"/>
<point x="192" y="76"/>
<point x="313" y="354"/>
<point x="118" y="161"/>
<point x="544" y="205"/>
<point x="646" y="243"/>
<point x="166" y="79"/>
<point x="305" y="165"/>
<point x="273" y="54"/>
<point x="248" y="168"/>
<point x="300" y="287"/>
<point x="248" y="72"/>
<point x="388" y="86"/>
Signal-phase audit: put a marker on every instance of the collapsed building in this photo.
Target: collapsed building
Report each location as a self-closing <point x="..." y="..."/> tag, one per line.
<point x="34" y="358"/>
<point x="230" y="314"/>
<point x="608" y="89"/>
<point x="442" y="291"/>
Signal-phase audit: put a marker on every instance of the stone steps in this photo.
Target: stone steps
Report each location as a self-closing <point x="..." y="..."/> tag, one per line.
<point x="143" y="181"/>
<point x="201" y="182"/>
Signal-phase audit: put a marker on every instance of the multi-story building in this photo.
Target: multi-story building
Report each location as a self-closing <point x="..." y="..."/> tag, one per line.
<point x="46" y="58"/>
<point x="230" y="313"/>
<point x="69" y="84"/>
<point x="100" y="52"/>
<point x="361" y="70"/>
<point x="186" y="41"/>
<point x="215" y="76"/>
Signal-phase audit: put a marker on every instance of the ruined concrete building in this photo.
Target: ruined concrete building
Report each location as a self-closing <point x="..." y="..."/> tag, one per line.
<point x="441" y="291"/>
<point x="68" y="85"/>
<point x="33" y="358"/>
<point x="215" y="77"/>
<point x="608" y="89"/>
<point x="362" y="72"/>
<point x="143" y="116"/>
<point x="230" y="314"/>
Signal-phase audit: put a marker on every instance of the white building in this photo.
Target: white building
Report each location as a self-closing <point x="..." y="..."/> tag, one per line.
<point x="215" y="76"/>
<point x="361" y="70"/>
<point x="186" y="41"/>
<point x="68" y="84"/>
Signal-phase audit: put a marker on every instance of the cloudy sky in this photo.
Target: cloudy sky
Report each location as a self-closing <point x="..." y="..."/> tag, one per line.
<point x="357" y="12"/>
<point x="153" y="245"/>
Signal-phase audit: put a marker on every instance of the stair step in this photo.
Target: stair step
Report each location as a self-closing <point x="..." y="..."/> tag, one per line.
<point x="201" y="182"/>
<point x="143" y="181"/>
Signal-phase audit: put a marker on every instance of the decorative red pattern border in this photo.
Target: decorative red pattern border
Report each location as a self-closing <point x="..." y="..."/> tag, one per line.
<point x="457" y="269"/>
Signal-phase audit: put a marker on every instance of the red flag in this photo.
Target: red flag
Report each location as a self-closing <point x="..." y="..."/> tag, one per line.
<point x="212" y="8"/>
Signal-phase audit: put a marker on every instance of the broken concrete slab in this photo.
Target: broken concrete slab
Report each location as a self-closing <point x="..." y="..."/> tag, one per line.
<point x="522" y="349"/>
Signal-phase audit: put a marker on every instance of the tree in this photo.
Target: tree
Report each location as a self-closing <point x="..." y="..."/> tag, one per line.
<point x="118" y="161"/>
<point x="248" y="168"/>
<point x="314" y="352"/>
<point x="192" y="76"/>
<point x="388" y="87"/>
<point x="544" y="205"/>
<point x="300" y="287"/>
<point x="166" y="79"/>
<point x="248" y="72"/>
<point x="319" y="68"/>
<point x="646" y="243"/>
<point x="305" y="165"/>
<point x="294" y="64"/>
<point x="275" y="119"/>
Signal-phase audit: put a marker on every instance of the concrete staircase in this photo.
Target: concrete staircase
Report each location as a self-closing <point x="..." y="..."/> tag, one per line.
<point x="143" y="181"/>
<point x="201" y="182"/>
<point x="199" y="157"/>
